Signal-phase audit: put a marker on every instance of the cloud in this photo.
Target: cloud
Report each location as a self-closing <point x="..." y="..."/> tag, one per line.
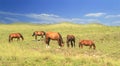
<point x="53" y="18"/>
<point x="95" y="14"/>
<point x="84" y="21"/>
<point x="10" y="13"/>
<point x="41" y="18"/>
<point x="112" y="16"/>
<point x="11" y="19"/>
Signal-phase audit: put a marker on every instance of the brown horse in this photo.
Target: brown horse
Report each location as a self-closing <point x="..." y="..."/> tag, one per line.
<point x="53" y="36"/>
<point x="87" y="43"/>
<point x="38" y="33"/>
<point x="15" y="35"/>
<point x="71" y="38"/>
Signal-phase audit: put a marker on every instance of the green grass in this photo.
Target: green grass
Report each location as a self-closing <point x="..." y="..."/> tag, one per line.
<point x="34" y="53"/>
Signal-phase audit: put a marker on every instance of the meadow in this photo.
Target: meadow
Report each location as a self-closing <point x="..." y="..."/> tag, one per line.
<point x="34" y="53"/>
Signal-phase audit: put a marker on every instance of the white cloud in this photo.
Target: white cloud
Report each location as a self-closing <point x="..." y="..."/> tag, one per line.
<point x="112" y="16"/>
<point x="49" y="15"/>
<point x="45" y="18"/>
<point x="51" y="18"/>
<point x="42" y="16"/>
<point x="11" y="19"/>
<point x="10" y="13"/>
<point x="83" y="21"/>
<point x="95" y="14"/>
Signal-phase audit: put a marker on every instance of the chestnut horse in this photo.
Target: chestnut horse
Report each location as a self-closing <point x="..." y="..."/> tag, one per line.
<point x="15" y="35"/>
<point x="53" y="36"/>
<point x="71" y="38"/>
<point x="87" y="43"/>
<point x="38" y="33"/>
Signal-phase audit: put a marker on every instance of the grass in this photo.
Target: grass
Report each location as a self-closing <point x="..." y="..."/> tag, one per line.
<point x="33" y="53"/>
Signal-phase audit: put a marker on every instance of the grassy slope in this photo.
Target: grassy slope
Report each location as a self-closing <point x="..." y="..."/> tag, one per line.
<point x="34" y="53"/>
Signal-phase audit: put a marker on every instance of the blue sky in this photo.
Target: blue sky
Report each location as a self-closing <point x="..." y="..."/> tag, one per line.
<point x="106" y="12"/>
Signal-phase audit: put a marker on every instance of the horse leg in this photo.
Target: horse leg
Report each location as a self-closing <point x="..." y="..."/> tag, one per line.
<point x="74" y="42"/>
<point x="11" y="39"/>
<point x="71" y="44"/>
<point x="81" y="46"/>
<point x="90" y="46"/>
<point x="47" y="42"/>
<point x="35" y="37"/>
<point x="59" y="42"/>
<point x="18" y="39"/>
<point x="41" y="36"/>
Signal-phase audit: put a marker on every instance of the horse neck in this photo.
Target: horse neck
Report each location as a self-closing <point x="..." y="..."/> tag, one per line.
<point x="61" y="39"/>
<point x="44" y="33"/>
<point x="33" y="33"/>
<point x="21" y="37"/>
<point x="94" y="46"/>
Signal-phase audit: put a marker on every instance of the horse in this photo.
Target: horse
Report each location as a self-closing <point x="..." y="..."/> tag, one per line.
<point x="87" y="43"/>
<point x="54" y="36"/>
<point x="15" y="35"/>
<point x="70" y="38"/>
<point x="38" y="33"/>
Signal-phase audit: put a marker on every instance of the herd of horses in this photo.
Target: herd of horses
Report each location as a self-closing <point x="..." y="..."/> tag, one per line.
<point x="55" y="36"/>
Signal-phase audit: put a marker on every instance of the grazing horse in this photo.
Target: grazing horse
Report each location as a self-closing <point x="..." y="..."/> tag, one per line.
<point x="71" y="38"/>
<point x="38" y="33"/>
<point x="53" y="36"/>
<point x="15" y="35"/>
<point x="87" y="43"/>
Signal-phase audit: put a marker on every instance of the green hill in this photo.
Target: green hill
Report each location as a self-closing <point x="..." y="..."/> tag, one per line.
<point x="34" y="53"/>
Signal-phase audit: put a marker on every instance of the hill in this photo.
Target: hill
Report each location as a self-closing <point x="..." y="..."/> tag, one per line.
<point x="34" y="53"/>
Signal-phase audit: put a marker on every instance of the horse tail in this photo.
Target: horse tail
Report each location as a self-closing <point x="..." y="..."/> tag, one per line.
<point x="94" y="47"/>
<point x="33" y="33"/>
<point x="21" y="36"/>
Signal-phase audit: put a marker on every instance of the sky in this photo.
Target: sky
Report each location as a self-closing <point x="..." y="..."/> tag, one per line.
<point x="105" y="12"/>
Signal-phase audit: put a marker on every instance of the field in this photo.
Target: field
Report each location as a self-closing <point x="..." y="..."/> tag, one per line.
<point x="34" y="53"/>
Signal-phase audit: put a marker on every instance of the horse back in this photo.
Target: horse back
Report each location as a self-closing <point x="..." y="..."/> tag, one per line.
<point x="52" y="35"/>
<point x="70" y="37"/>
<point x="39" y="32"/>
<point x="86" y="42"/>
<point x="15" y="35"/>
